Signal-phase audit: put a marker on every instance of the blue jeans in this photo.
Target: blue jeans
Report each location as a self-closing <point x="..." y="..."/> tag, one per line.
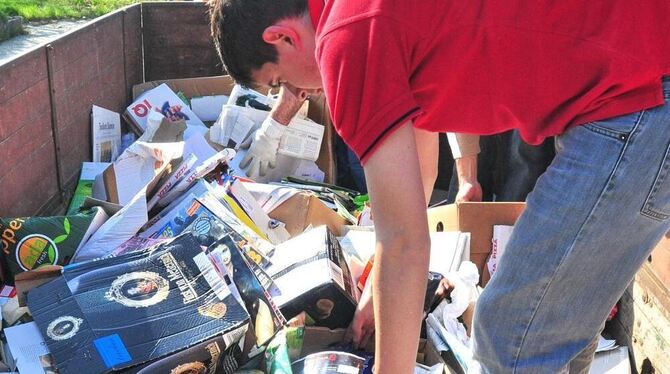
<point x="589" y="225"/>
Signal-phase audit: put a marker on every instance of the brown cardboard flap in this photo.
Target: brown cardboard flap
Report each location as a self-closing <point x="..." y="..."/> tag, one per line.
<point x="28" y="280"/>
<point x="305" y="209"/>
<point x="109" y="181"/>
<point x="191" y="87"/>
<point x="477" y="218"/>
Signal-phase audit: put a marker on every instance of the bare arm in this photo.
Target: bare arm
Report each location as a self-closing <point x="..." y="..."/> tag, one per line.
<point x="402" y="253"/>
<point x="465" y="149"/>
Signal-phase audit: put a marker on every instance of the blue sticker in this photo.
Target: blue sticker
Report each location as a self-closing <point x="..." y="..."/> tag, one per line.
<point x="112" y="350"/>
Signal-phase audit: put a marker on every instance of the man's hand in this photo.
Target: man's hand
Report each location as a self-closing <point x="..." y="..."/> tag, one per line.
<point x="469" y="192"/>
<point x="469" y="188"/>
<point x="262" y="148"/>
<point x="362" y="328"/>
<point x="263" y="144"/>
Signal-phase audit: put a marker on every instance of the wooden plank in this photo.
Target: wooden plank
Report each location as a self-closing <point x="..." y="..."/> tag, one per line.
<point x="660" y="260"/>
<point x="89" y="68"/>
<point x="132" y="46"/>
<point x="27" y="159"/>
<point x="643" y="322"/>
<point x="177" y="42"/>
<point x="21" y="73"/>
<point x="28" y="182"/>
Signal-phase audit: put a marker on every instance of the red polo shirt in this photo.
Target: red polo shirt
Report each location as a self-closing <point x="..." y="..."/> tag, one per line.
<point x="484" y="67"/>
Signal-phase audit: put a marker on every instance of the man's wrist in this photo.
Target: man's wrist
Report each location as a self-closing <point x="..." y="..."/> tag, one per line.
<point x="466" y="168"/>
<point x="283" y="112"/>
<point x="273" y="128"/>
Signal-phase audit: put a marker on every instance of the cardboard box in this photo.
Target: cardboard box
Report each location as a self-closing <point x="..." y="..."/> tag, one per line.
<point x="312" y="275"/>
<point x="477" y="218"/>
<point x="28" y="280"/>
<point x="119" y="312"/>
<point x="305" y="209"/>
<point x="223" y="85"/>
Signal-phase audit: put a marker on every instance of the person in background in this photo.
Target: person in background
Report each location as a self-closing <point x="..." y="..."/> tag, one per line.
<point x="396" y="73"/>
<point x="506" y="168"/>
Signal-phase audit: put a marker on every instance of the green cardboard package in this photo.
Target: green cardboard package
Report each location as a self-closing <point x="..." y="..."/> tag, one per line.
<point x="31" y="242"/>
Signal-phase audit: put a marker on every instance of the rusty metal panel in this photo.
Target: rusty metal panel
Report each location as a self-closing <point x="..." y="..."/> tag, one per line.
<point x="28" y="179"/>
<point x="88" y="67"/>
<point x="177" y="41"/>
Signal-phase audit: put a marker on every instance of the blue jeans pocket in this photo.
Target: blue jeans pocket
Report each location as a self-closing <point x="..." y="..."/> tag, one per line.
<point x="657" y="204"/>
<point x="617" y="127"/>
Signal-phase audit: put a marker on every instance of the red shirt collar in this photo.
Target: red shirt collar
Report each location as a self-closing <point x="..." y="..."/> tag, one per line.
<point x="315" y="10"/>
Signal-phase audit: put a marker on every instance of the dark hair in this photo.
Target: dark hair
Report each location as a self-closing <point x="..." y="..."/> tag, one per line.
<point x="237" y="29"/>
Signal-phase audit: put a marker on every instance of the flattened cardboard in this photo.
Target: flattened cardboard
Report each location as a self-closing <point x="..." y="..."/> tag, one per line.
<point x="305" y="209"/>
<point x="28" y="280"/>
<point x="119" y="312"/>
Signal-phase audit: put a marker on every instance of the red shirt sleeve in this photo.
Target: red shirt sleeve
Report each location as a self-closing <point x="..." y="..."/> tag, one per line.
<point x="365" y="69"/>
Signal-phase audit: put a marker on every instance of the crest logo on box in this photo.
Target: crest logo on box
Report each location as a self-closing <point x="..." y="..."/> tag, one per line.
<point x="63" y="328"/>
<point x="139" y="289"/>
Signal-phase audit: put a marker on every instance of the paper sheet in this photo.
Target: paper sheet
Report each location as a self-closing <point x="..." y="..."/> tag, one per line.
<point x="139" y="164"/>
<point x="208" y="108"/>
<point x="270" y="196"/>
<point x="179" y="173"/>
<point x="106" y="134"/>
<point x="302" y="139"/>
<point x="276" y="234"/>
<point x="606" y="345"/>
<point x="309" y="170"/>
<point x="501" y="235"/>
<point x="119" y="228"/>
<point x="612" y="362"/>
<point x="447" y="250"/>
<point x="26" y="345"/>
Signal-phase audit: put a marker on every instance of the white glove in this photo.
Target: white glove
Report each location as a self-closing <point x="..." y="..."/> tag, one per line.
<point x="262" y="148"/>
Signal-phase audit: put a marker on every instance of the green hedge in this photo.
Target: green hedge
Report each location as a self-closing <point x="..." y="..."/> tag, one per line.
<point x="56" y="9"/>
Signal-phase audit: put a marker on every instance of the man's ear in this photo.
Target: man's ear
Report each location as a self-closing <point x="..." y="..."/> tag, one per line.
<point x="282" y="35"/>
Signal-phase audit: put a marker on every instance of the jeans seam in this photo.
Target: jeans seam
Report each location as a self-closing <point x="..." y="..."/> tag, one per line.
<point x="604" y="191"/>
<point x="647" y="211"/>
<point x="591" y="126"/>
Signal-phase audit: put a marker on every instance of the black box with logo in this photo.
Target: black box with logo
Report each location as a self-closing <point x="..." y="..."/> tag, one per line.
<point x="116" y="313"/>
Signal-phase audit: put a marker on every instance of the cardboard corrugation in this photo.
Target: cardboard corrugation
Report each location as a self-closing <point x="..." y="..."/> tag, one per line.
<point x="305" y="209"/>
<point x="478" y="219"/>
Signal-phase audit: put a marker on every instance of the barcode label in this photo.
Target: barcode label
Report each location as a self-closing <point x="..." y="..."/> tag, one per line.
<point x="211" y="276"/>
